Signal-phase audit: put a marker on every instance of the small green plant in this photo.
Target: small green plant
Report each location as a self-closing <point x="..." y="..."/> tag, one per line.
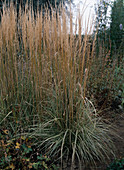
<point x="18" y="153"/>
<point x="118" y="82"/>
<point x="117" y="164"/>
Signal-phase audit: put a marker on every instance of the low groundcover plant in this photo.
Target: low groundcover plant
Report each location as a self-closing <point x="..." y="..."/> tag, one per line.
<point x="18" y="153"/>
<point x="116" y="164"/>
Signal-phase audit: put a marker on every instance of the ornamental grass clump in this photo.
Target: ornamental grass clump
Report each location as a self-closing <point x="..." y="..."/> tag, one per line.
<point x="44" y="70"/>
<point x="85" y="138"/>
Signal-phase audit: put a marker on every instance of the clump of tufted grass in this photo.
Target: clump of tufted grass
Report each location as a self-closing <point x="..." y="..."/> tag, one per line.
<point x="84" y="139"/>
<point x="44" y="70"/>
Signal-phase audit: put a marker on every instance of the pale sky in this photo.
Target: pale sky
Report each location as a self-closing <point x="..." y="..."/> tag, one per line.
<point x="86" y="7"/>
<point x="89" y="11"/>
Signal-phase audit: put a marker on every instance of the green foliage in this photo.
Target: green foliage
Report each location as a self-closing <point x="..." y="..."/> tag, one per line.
<point x="117" y="18"/>
<point x="118" y="82"/>
<point x="101" y="22"/>
<point x="117" y="164"/>
<point x="18" y="153"/>
<point x="117" y="30"/>
<point x="107" y="81"/>
<point x="100" y="82"/>
<point x="111" y="38"/>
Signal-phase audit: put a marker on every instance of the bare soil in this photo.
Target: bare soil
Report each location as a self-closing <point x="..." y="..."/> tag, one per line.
<point x="119" y="141"/>
<point x="117" y="121"/>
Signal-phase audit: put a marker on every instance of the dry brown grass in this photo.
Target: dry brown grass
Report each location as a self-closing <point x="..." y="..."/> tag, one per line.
<point x="43" y="54"/>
